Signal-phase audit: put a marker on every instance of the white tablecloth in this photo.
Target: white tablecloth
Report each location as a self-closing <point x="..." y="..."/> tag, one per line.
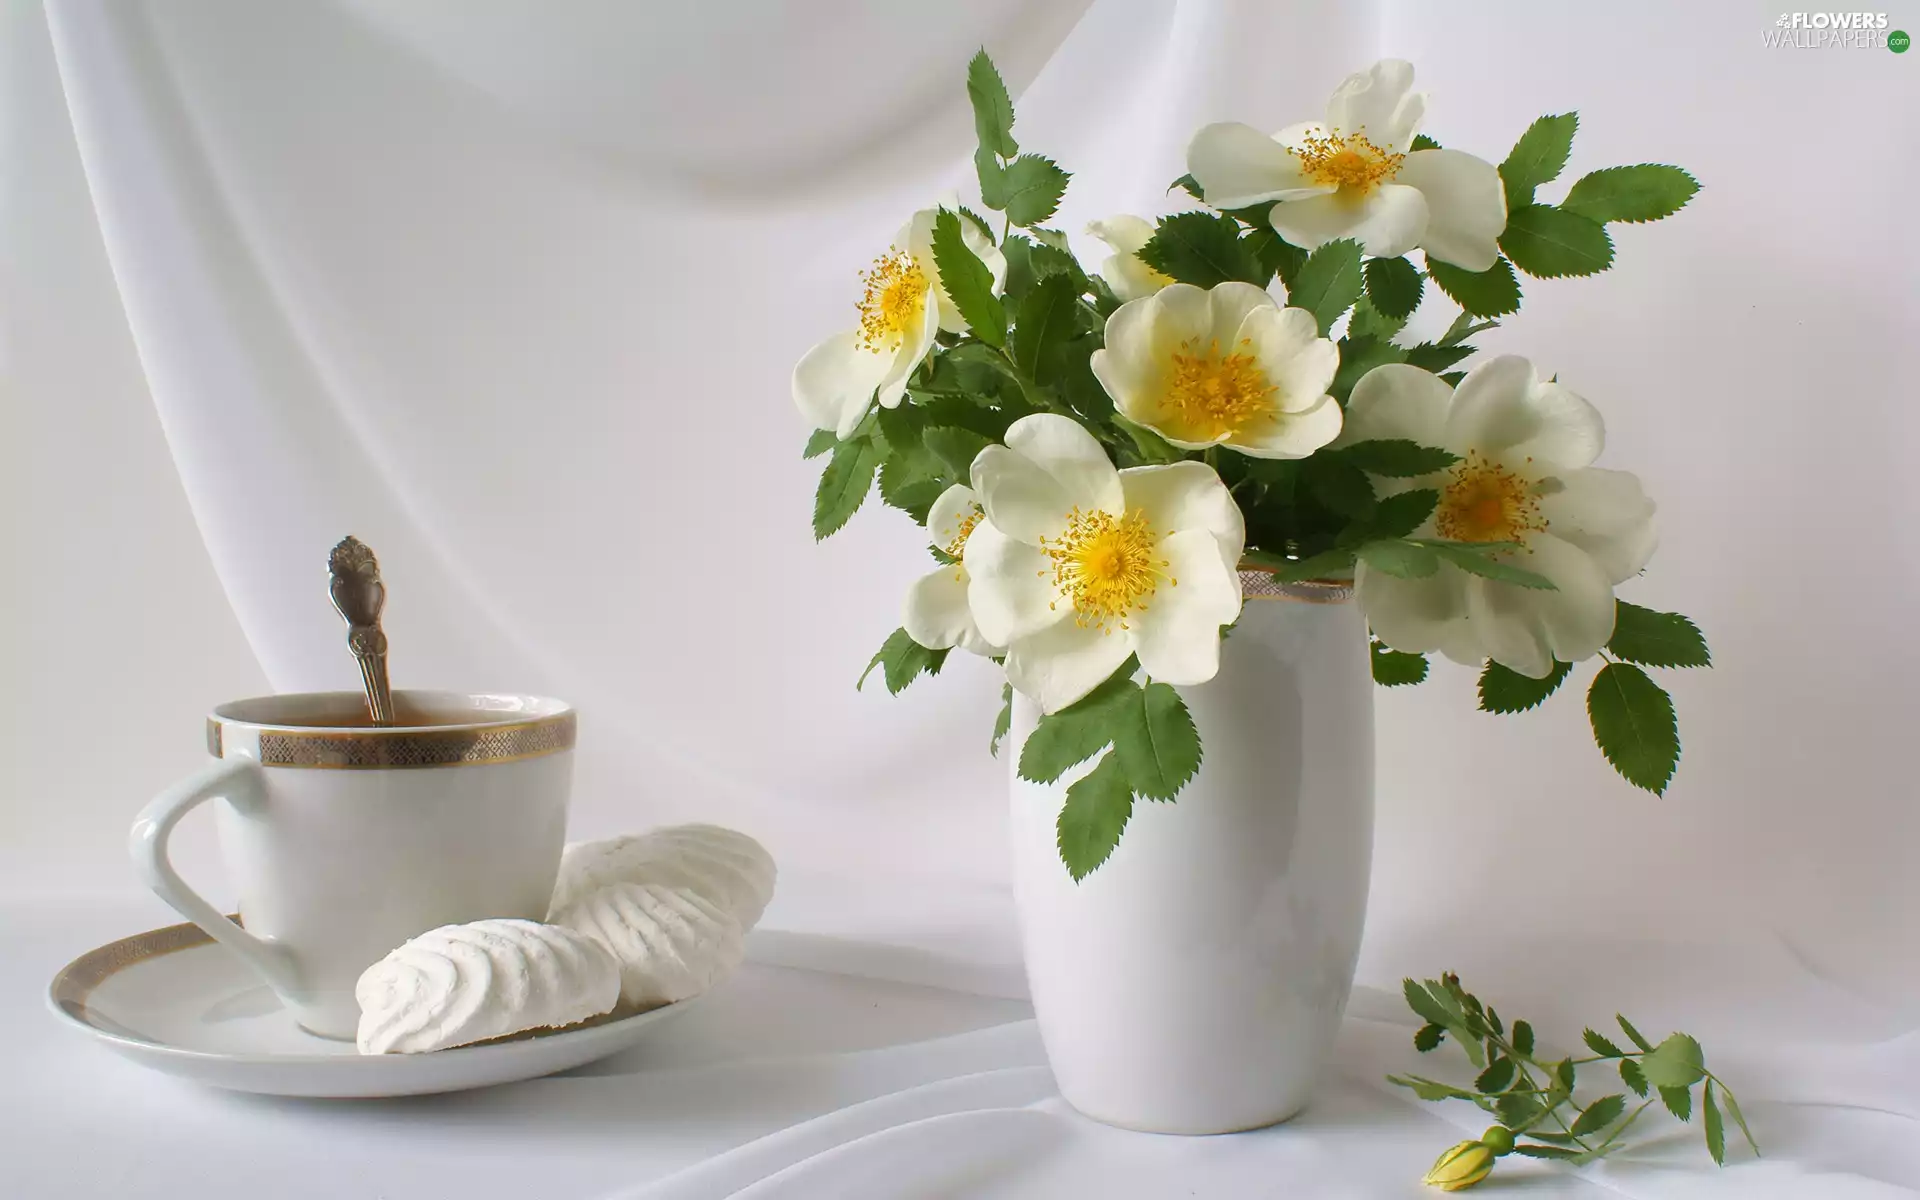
<point x="794" y="1082"/>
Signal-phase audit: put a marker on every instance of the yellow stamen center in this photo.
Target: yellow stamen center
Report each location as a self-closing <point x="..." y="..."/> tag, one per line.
<point x="896" y="293"/>
<point x="1351" y="163"/>
<point x="1210" y="394"/>
<point x="963" y="529"/>
<point x="1107" y="566"/>
<point x="1485" y="502"/>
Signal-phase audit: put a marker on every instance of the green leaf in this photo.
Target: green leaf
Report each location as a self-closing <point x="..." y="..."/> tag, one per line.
<point x="1679" y="1102"/>
<point x="1400" y="514"/>
<point x="1503" y="690"/>
<point x="1277" y="256"/>
<point x="1397" y="668"/>
<point x="1429" y="356"/>
<point x="821" y="441"/>
<point x="1598" y="1043"/>
<point x="1523" y="1037"/>
<point x="1328" y="283"/>
<point x="1646" y="192"/>
<point x="1563" y="1075"/>
<point x="1369" y="322"/>
<point x="1401" y="559"/>
<point x="1498" y="1076"/>
<point x="1361" y="353"/>
<point x="1202" y="249"/>
<point x="1428" y="1089"/>
<point x="1398" y="458"/>
<point x="1656" y="639"/>
<point x="1034" y="186"/>
<point x="955" y="447"/>
<point x="1487" y="293"/>
<point x="1330" y="564"/>
<point x="967" y="280"/>
<point x="1516" y="1109"/>
<point x="1633" y="1076"/>
<point x="1633" y="724"/>
<point x="1733" y="1110"/>
<point x="1548" y="242"/>
<point x="979" y="222"/>
<point x="1428" y="1037"/>
<point x="1600" y="1114"/>
<point x="1422" y="142"/>
<point x="905" y="487"/>
<point x="902" y="660"/>
<point x="1716" y="1130"/>
<point x="1154" y="738"/>
<point x="1393" y="285"/>
<point x="1675" y="1063"/>
<point x="1339" y="485"/>
<point x="844" y="485"/>
<point x="1096" y="813"/>
<point x="1421" y="1001"/>
<point x="1004" y="721"/>
<point x="1046" y="319"/>
<point x="1532" y="1151"/>
<point x="1189" y="185"/>
<point x="1633" y="1034"/>
<point x="1476" y="558"/>
<point x="1538" y="157"/>
<point x="993" y="179"/>
<point x="992" y="107"/>
<point x="1077" y="732"/>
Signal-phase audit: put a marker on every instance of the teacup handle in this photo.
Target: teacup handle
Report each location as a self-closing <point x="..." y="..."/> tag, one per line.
<point x="242" y="783"/>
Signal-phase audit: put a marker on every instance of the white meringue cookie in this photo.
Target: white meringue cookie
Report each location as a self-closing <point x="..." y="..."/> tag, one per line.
<point x="671" y="942"/>
<point x="724" y="866"/>
<point x="467" y="983"/>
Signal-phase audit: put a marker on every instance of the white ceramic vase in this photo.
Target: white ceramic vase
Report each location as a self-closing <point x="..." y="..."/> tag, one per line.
<point x="1195" y="982"/>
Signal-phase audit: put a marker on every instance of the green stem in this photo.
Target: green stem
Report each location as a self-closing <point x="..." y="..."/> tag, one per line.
<point x="1522" y="1062"/>
<point x="1581" y="1062"/>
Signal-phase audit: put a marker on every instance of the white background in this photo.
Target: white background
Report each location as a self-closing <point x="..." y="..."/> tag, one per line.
<point x="512" y="291"/>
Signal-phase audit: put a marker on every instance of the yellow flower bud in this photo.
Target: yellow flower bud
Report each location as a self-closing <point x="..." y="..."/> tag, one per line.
<point x="1461" y="1167"/>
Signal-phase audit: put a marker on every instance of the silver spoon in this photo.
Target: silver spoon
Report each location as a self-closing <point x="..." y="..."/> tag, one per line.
<point x="359" y="595"/>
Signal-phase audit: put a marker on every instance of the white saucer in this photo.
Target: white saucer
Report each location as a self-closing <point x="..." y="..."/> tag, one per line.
<point x="174" y="1000"/>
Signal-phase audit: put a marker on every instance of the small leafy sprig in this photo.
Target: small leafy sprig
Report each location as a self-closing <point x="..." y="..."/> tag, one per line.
<point x="1532" y="1096"/>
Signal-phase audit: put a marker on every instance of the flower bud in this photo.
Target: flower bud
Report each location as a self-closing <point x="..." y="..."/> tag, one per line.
<point x="1461" y="1167"/>
<point x="1498" y="1138"/>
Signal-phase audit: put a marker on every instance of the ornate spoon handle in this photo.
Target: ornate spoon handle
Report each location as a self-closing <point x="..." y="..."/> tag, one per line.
<point x="358" y="595"/>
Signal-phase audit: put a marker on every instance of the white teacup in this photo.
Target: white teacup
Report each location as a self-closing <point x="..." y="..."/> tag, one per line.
<point x="345" y="839"/>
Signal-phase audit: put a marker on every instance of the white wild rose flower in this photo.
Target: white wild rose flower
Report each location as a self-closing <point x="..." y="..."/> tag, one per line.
<point x="936" y="614"/>
<point x="1224" y="366"/>
<point x="1078" y="565"/>
<point x="1357" y="176"/>
<point x="902" y="307"/>
<point x="1524" y="477"/>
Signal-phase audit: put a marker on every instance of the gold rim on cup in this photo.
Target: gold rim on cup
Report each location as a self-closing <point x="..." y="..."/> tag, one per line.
<point x="399" y="747"/>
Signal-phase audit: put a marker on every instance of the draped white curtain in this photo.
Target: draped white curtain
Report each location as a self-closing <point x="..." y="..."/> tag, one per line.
<point x="511" y="290"/>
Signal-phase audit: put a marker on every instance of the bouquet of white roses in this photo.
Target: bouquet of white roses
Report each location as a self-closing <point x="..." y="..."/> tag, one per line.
<point x="1099" y="456"/>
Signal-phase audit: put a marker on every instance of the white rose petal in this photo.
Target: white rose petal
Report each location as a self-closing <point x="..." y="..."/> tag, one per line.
<point x="1125" y="272"/>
